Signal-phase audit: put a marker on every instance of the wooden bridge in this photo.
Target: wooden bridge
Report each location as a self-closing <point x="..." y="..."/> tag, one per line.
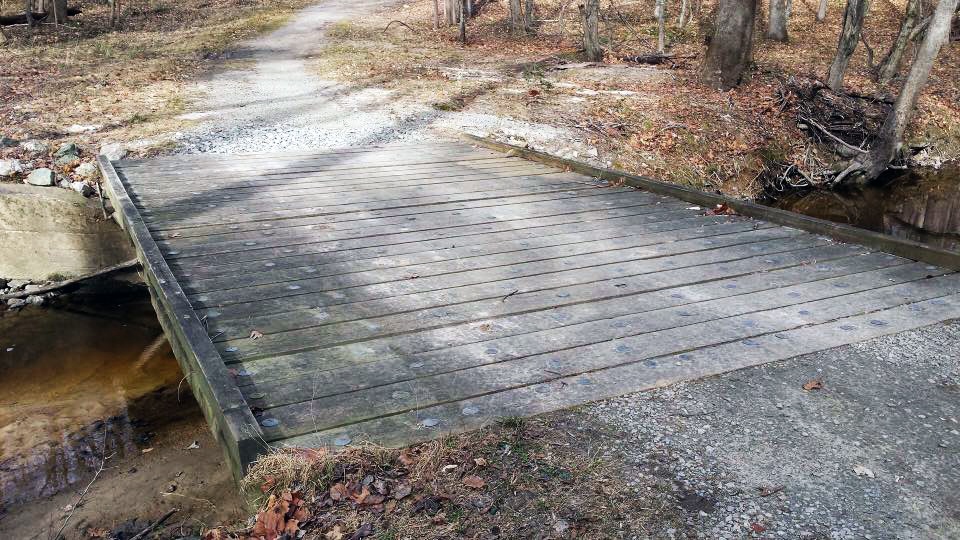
<point x="392" y="294"/>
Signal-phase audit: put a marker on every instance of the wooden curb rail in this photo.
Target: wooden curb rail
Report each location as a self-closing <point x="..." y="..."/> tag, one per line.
<point x="844" y="233"/>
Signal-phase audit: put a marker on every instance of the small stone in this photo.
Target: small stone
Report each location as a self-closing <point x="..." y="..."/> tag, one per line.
<point x="40" y="177"/>
<point x="87" y="171"/>
<point x="35" y="147"/>
<point x="7" y="141"/>
<point x="67" y="149"/>
<point x="82" y="188"/>
<point x="15" y="303"/>
<point x="67" y="159"/>
<point x="113" y="151"/>
<point x="10" y="167"/>
<point x="35" y="300"/>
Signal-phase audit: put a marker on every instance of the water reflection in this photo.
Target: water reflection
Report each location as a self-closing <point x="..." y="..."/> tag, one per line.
<point x="920" y="205"/>
<point x="78" y="384"/>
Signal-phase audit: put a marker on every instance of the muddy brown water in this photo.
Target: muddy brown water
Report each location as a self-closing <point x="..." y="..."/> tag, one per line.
<point x="921" y="205"/>
<point x="79" y="380"/>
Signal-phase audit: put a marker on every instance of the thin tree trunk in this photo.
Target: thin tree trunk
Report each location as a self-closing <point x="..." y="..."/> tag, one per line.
<point x="849" y="36"/>
<point x="450" y="9"/>
<point x="529" y="16"/>
<point x="891" y="134"/>
<point x="463" y="22"/>
<point x="591" y="30"/>
<point x="683" y="14"/>
<point x="822" y="11"/>
<point x="436" y="13"/>
<point x="661" y="12"/>
<point x="779" y="20"/>
<point x="28" y="8"/>
<point x="890" y="64"/>
<point x="731" y="47"/>
<point x="516" y="17"/>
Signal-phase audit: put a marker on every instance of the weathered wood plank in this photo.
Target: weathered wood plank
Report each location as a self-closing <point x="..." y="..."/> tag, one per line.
<point x="567" y="200"/>
<point x="536" y="312"/>
<point x="402" y="429"/>
<point x="221" y="401"/>
<point x="272" y="272"/>
<point x="612" y="274"/>
<point x="290" y="387"/>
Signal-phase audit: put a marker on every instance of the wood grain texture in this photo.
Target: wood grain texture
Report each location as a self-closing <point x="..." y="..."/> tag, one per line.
<point x="389" y="285"/>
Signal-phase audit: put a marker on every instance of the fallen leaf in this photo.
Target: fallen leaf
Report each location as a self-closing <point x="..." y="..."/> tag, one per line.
<point x="338" y="492"/>
<point x="194" y="446"/>
<point x="405" y="458"/>
<point x="364" y="531"/>
<point x="757" y="528"/>
<point x="334" y="533"/>
<point x="473" y="481"/>
<point x="860" y="470"/>
<point x="389" y="506"/>
<point x="480" y="462"/>
<point x="98" y="532"/>
<point x="401" y="491"/>
<point x="145" y="450"/>
<point x="813" y="384"/>
<point x="256" y="334"/>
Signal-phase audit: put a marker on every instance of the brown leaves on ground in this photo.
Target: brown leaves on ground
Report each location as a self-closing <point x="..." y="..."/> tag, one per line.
<point x="281" y="516"/>
<point x="508" y="477"/>
<point x="813" y="384"/>
<point x="256" y="334"/>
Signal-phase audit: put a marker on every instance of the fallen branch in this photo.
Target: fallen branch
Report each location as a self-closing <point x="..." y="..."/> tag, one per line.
<point x="10" y="20"/>
<point x="103" y="463"/>
<point x="401" y="23"/>
<point x="826" y="132"/>
<point x="143" y="534"/>
<point x="68" y="282"/>
<point x="655" y="58"/>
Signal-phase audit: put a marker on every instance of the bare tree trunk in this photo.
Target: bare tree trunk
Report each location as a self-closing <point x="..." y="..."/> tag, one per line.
<point x="28" y="8"/>
<point x="516" y="17"/>
<point x="683" y="14"/>
<point x="436" y="13"/>
<point x="891" y="134"/>
<point x="590" y="10"/>
<point x="463" y="22"/>
<point x="451" y="9"/>
<point x="890" y="64"/>
<point x="822" y="11"/>
<point x="529" y="16"/>
<point x="779" y="19"/>
<point x="731" y="47"/>
<point x="849" y="36"/>
<point x="661" y="12"/>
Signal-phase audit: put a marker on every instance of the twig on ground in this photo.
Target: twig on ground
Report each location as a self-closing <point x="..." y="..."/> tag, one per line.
<point x="515" y="291"/>
<point x="401" y="23"/>
<point x="83" y="493"/>
<point x="66" y="283"/>
<point x="826" y="132"/>
<point x="157" y="523"/>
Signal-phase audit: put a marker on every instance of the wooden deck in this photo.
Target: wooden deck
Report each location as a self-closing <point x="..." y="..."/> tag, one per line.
<point x="404" y="292"/>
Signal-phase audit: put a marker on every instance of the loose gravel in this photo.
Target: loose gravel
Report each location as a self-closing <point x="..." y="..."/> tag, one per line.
<point x="875" y="453"/>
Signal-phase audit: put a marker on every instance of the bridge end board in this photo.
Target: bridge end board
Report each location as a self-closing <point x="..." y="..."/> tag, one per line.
<point x="224" y="407"/>
<point x="844" y="233"/>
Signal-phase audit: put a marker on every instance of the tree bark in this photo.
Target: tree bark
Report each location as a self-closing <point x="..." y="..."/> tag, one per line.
<point x="890" y="64"/>
<point x="849" y="36"/>
<point x="779" y="19"/>
<point x="891" y="134"/>
<point x="661" y="12"/>
<point x="683" y="14"/>
<point x="822" y="11"/>
<point x="463" y="22"/>
<point x="590" y="10"/>
<point x="516" y="17"/>
<point x="529" y="16"/>
<point x="451" y="9"/>
<point x="731" y="46"/>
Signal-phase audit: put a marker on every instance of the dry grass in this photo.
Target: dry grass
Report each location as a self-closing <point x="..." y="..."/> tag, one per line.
<point x="128" y="80"/>
<point x="518" y="479"/>
<point x="673" y="127"/>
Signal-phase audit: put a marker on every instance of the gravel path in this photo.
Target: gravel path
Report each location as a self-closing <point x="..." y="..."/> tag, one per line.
<point x="875" y="453"/>
<point x="276" y="103"/>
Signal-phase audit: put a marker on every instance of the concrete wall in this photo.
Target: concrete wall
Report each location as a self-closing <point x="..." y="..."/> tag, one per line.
<point x="45" y="231"/>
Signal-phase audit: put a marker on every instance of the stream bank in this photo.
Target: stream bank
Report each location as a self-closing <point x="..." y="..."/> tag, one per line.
<point x="89" y="377"/>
